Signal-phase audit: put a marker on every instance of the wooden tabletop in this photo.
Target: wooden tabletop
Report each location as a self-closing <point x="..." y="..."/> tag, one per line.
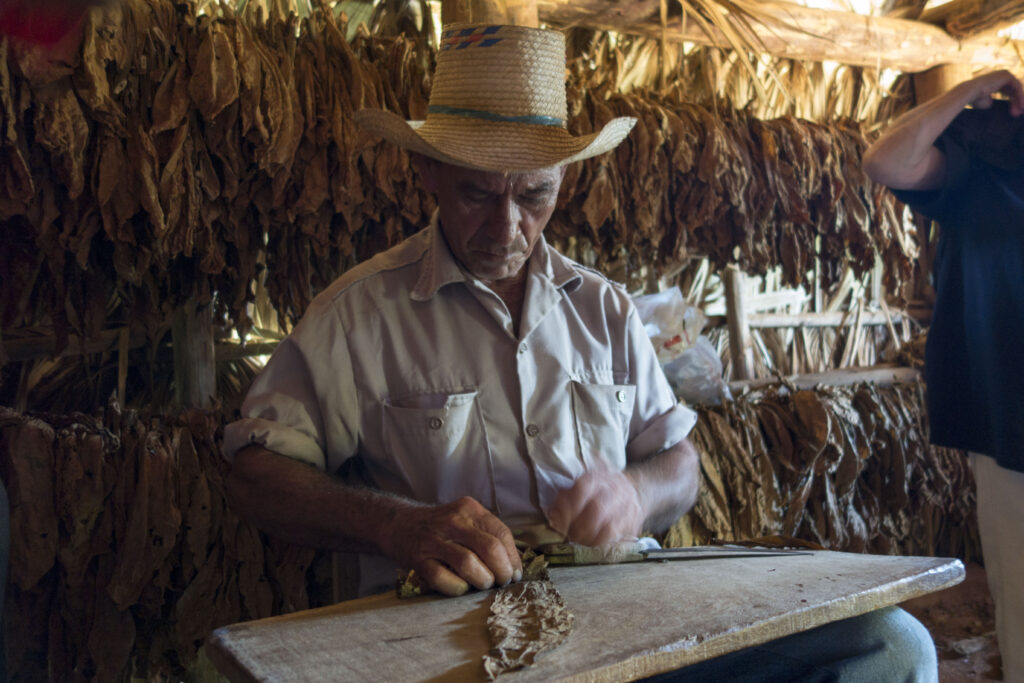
<point x="632" y="620"/>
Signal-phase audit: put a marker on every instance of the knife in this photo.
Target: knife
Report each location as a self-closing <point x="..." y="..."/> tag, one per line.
<point x="571" y="554"/>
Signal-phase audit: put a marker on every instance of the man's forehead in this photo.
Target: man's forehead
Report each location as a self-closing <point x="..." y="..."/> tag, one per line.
<point x="499" y="182"/>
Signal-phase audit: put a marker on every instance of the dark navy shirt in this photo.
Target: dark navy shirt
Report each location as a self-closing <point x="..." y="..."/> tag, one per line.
<point x="974" y="360"/>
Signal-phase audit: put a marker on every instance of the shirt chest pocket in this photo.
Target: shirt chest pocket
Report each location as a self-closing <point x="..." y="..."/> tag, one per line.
<point x="437" y="443"/>
<point x="601" y="415"/>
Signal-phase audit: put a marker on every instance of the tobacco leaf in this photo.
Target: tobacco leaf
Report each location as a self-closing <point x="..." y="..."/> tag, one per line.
<point x="28" y="473"/>
<point x="527" y="619"/>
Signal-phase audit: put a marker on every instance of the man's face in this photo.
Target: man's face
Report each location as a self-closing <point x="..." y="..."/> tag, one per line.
<point x="492" y="220"/>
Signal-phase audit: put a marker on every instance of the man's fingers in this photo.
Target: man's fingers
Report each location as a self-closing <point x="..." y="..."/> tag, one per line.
<point x="489" y="550"/>
<point x="1014" y="91"/>
<point x="466" y="564"/>
<point x="507" y="548"/>
<point x="442" y="579"/>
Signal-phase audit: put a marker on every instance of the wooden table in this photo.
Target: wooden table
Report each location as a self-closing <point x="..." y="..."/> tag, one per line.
<point x="632" y="620"/>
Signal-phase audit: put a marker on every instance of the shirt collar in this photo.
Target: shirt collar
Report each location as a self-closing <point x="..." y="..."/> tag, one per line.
<point x="439" y="267"/>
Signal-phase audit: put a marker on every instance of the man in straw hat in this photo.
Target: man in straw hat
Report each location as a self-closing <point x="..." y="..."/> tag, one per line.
<point x="479" y="382"/>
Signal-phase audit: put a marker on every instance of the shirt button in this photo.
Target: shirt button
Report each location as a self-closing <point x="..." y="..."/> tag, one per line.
<point x="621" y="396"/>
<point x="532" y="430"/>
<point x="435" y="423"/>
<point x="522" y="349"/>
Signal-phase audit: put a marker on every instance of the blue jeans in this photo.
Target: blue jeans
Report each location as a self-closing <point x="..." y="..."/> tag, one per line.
<point x="887" y="645"/>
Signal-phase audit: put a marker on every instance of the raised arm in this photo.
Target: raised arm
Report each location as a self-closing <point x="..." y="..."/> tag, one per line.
<point x="451" y="546"/>
<point x="905" y="157"/>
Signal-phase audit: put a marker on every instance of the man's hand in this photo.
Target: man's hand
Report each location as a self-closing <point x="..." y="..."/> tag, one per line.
<point x="454" y="546"/>
<point x="980" y="90"/>
<point x="599" y="509"/>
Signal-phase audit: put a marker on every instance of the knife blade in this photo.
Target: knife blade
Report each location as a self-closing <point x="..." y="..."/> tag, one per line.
<point x="571" y="554"/>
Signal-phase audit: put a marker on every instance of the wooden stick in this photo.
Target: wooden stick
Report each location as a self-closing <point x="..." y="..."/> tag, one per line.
<point x="195" y="376"/>
<point x="892" y="328"/>
<point x="739" y="330"/>
<point x="837" y="341"/>
<point x="851" y="340"/>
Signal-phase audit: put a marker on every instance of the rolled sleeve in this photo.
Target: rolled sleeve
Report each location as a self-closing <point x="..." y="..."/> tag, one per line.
<point x="303" y="404"/>
<point x="663" y="432"/>
<point x="659" y="421"/>
<point x="274" y="437"/>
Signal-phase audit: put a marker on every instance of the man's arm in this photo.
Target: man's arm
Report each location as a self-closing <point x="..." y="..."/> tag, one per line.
<point x="450" y="546"/>
<point x="905" y="158"/>
<point x="604" y="507"/>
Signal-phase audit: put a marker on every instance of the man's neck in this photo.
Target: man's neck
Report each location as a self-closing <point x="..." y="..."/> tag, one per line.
<point x="513" y="292"/>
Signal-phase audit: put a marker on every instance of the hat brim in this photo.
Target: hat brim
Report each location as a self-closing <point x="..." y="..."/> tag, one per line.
<point x="493" y="145"/>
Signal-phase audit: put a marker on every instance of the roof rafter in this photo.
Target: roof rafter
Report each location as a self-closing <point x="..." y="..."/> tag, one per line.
<point x="796" y="32"/>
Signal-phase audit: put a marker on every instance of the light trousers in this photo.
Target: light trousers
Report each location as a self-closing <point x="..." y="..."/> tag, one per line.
<point x="884" y="646"/>
<point x="1001" y="523"/>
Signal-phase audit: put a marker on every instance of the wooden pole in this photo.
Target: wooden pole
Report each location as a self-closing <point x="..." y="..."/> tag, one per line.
<point x="939" y="80"/>
<point x="963" y="18"/>
<point x="928" y="86"/>
<point x="740" y="344"/>
<point x="195" y="377"/>
<point x="518" y="12"/>
<point x="802" y="33"/>
<point x="523" y="13"/>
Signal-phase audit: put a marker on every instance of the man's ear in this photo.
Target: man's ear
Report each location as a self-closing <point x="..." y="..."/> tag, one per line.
<point x="427" y="168"/>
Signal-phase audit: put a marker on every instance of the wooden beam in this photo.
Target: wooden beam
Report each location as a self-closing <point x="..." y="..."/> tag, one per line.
<point x="827" y="319"/>
<point x="45" y="345"/>
<point x="802" y="33"/>
<point x="38" y="346"/>
<point x="740" y="343"/>
<point x="963" y="18"/>
<point x="882" y="375"/>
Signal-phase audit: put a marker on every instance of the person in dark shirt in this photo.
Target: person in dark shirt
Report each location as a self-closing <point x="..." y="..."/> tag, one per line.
<point x="964" y="167"/>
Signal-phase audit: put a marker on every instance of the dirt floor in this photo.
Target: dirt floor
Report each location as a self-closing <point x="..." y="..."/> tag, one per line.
<point x="962" y="623"/>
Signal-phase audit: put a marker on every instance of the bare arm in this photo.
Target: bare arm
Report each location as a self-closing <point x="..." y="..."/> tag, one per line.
<point x="604" y="507"/>
<point x="905" y="157"/>
<point x="451" y="546"/>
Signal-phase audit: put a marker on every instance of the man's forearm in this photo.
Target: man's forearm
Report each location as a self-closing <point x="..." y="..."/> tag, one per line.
<point x="905" y="156"/>
<point x="451" y="546"/>
<point x="667" y="484"/>
<point x="298" y="503"/>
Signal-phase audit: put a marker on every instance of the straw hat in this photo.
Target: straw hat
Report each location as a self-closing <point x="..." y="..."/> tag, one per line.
<point x="497" y="104"/>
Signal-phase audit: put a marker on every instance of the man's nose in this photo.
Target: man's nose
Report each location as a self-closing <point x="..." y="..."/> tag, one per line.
<point x="504" y="221"/>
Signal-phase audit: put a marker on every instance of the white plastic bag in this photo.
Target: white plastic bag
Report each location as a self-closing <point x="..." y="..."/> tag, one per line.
<point x="689" y="360"/>
<point x="696" y="374"/>
<point x="670" y="323"/>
